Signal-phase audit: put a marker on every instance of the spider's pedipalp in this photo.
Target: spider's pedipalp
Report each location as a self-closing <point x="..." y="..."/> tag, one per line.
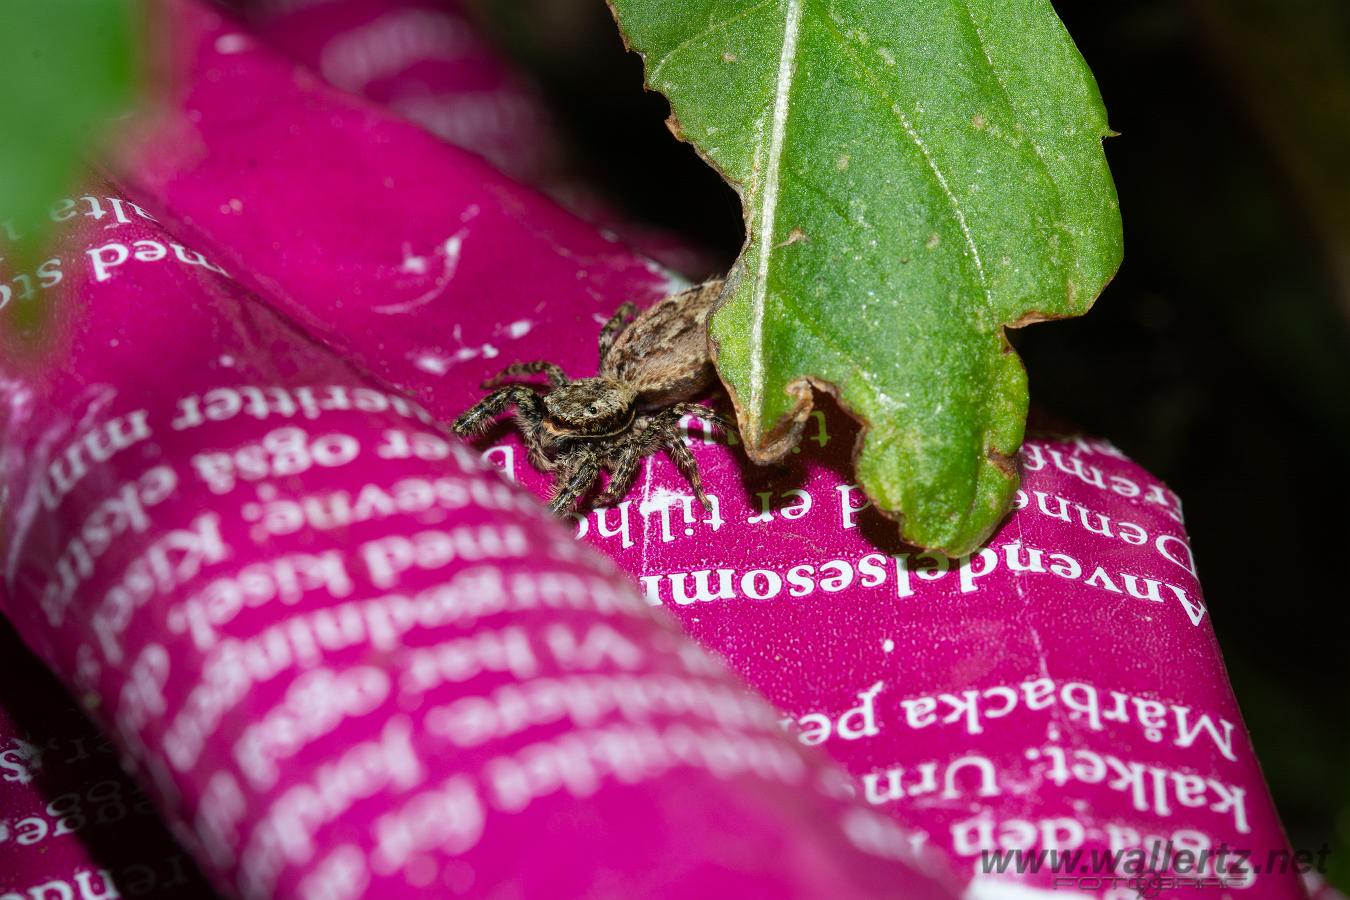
<point x="556" y="376"/>
<point x="622" y="317"/>
<point x="528" y="406"/>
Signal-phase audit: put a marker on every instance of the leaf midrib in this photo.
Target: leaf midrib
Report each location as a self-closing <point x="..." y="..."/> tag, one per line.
<point x="852" y="52"/>
<point x="768" y="205"/>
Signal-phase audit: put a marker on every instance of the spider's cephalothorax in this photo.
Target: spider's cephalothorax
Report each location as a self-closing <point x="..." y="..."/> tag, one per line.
<point x="651" y="363"/>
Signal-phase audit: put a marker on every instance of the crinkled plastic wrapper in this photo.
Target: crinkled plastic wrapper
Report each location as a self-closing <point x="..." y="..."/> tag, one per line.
<point x="346" y="659"/>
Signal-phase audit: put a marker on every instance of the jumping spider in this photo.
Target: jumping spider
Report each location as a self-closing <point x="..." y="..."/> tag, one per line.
<point x="650" y="364"/>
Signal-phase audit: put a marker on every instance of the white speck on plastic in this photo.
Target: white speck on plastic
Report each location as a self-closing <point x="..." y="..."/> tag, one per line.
<point x="412" y="263"/>
<point x="231" y="43"/>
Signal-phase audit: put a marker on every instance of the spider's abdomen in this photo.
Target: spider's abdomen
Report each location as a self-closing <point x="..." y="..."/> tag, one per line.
<point x="663" y="354"/>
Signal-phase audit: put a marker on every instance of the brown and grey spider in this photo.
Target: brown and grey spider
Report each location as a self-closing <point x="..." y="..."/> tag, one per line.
<point x="651" y="363"/>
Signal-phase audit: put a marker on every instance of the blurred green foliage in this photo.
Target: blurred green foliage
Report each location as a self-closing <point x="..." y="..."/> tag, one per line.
<point x="67" y="69"/>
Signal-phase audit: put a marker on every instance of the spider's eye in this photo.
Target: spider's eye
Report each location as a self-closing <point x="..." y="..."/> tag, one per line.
<point x="591" y="410"/>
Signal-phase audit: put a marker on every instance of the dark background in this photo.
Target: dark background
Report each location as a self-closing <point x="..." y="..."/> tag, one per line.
<point x="1219" y="357"/>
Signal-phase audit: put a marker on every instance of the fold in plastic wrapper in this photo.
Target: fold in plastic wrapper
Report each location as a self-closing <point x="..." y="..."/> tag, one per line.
<point x="1051" y="712"/>
<point x="426" y="61"/>
<point x="343" y="656"/>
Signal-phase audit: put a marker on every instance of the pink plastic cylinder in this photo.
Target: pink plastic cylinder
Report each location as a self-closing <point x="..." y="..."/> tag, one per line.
<point x="1058" y="691"/>
<point x="343" y="655"/>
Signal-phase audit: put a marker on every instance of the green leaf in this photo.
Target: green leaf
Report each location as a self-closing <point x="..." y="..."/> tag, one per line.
<point x="916" y="176"/>
<point x="66" y="67"/>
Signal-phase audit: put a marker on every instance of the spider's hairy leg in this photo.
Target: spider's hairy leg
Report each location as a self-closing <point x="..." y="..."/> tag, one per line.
<point x="556" y="376"/>
<point x="673" y="414"/>
<point x="630" y="453"/>
<point x="529" y="409"/>
<point x="614" y="327"/>
<point x="662" y="429"/>
<point x="688" y="466"/>
<point x="578" y="473"/>
<point x="535" y="453"/>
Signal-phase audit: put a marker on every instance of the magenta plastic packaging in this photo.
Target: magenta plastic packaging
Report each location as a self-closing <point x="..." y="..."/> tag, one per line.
<point x="347" y="658"/>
